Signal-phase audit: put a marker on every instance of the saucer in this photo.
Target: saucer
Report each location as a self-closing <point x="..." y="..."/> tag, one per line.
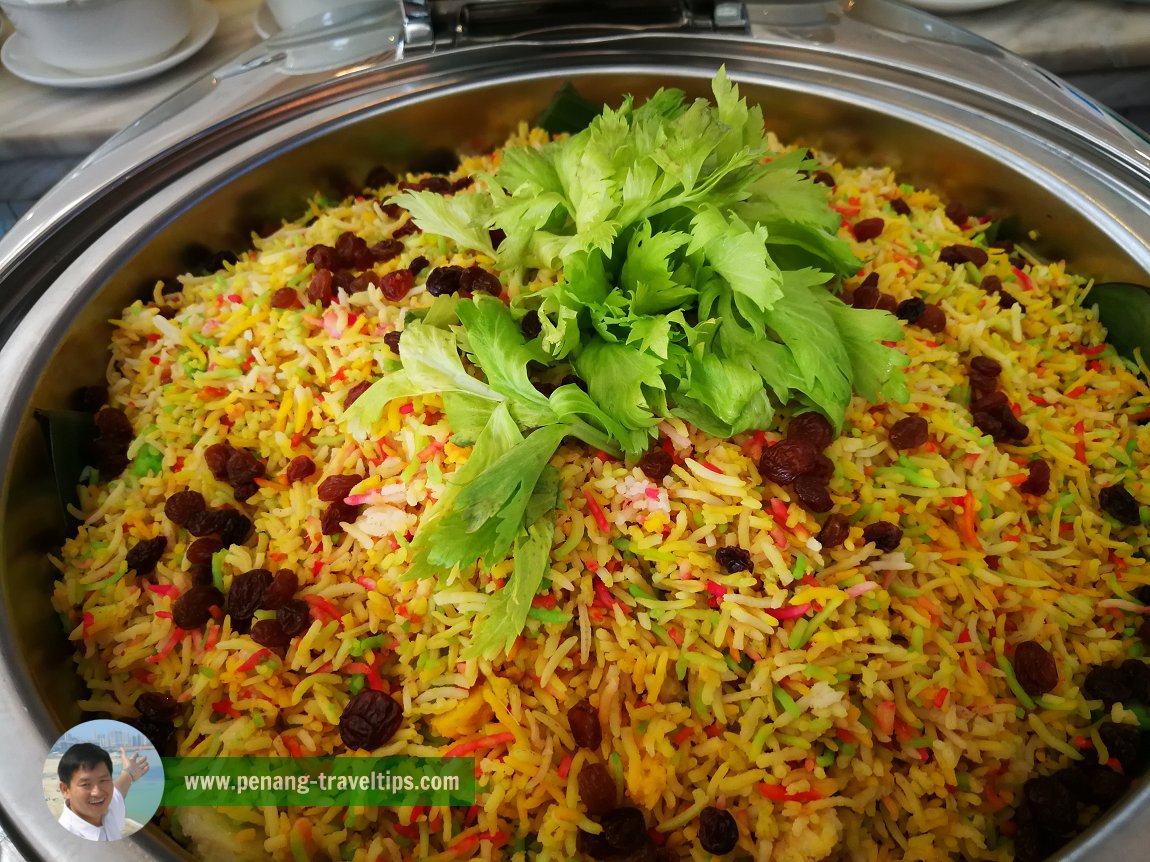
<point x="20" y="62"/>
<point x="264" y="22"/>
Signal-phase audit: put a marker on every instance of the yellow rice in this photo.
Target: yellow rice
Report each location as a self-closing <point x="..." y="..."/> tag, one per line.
<point x="700" y="704"/>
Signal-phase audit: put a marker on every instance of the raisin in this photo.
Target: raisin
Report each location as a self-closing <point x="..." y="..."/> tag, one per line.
<point x="530" y="326"/>
<point x="110" y="457"/>
<point x="824" y="178"/>
<point x="341" y="279"/>
<point x="584" y="721"/>
<point x="786" y="461"/>
<point x="386" y="250"/>
<point x="201" y="550"/>
<point x="246" y="593"/>
<point x="286" y="297"/>
<point x="201" y="573"/>
<point x="391" y="339"/>
<point x="112" y="424"/>
<point x="991" y="284"/>
<point x="886" y="302"/>
<point x="216" y="459"/>
<point x="884" y="534"/>
<point x="244" y="491"/>
<point x="992" y="416"/>
<point x="205" y="523"/>
<point x="369" y="720"/>
<point x="354" y="393"/>
<point x="956" y="255"/>
<point x="336" y="515"/>
<point x="1035" y="668"/>
<point x="593" y="845"/>
<point x="900" y="206"/>
<point x="812" y="494"/>
<point x="294" y="617"/>
<point x="418" y="265"/>
<point x="323" y="256"/>
<point x="823" y="469"/>
<point x="235" y="527"/>
<point x="436" y="185"/>
<point x="956" y="212"/>
<point x="597" y="788"/>
<point x="909" y="433"/>
<point x="1107" y="684"/>
<point x="270" y="634"/>
<point x="734" y="559"/>
<point x="444" y="280"/>
<point x="462" y="183"/>
<point x="834" y="532"/>
<point x="1096" y="784"/>
<point x="1120" y="504"/>
<point x="718" y="831"/>
<point x="475" y="279"/>
<point x="984" y="393"/>
<point x="1007" y="301"/>
<point x="321" y="288"/>
<point x="300" y="468"/>
<point x="194" y="608"/>
<point x="932" y="319"/>
<point x="396" y="285"/>
<point x="363" y="282"/>
<point x="279" y="592"/>
<point x="985" y="397"/>
<point x="347" y="248"/>
<point x="624" y="829"/>
<point x="155" y="704"/>
<point x="910" y="310"/>
<point x="985" y="366"/>
<point x="144" y="555"/>
<point x="1038" y="482"/>
<point x="406" y="229"/>
<point x="812" y="428"/>
<point x="337" y="487"/>
<point x="1137" y="676"/>
<point x="243" y="466"/>
<point x="656" y="465"/>
<point x="1050" y="803"/>
<point x="181" y="506"/>
<point x="1124" y="743"/>
<point x="868" y="229"/>
<point x="866" y="295"/>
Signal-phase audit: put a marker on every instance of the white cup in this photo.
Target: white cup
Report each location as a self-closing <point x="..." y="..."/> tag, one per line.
<point x="291" y="12"/>
<point x="98" y="35"/>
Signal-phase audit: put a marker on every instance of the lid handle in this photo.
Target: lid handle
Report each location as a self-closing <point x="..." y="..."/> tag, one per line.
<point x="510" y="19"/>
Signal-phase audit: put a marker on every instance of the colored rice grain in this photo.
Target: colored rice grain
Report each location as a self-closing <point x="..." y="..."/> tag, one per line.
<point x="830" y="699"/>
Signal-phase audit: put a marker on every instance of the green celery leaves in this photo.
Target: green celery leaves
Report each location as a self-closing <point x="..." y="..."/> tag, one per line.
<point x="698" y="270"/>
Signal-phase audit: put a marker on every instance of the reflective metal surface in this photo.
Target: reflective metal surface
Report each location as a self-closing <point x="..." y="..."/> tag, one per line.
<point x="871" y="81"/>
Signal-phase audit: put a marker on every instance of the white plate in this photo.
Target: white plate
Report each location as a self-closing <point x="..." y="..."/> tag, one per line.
<point x="20" y="62"/>
<point x="956" y="5"/>
<point x="264" y="22"/>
